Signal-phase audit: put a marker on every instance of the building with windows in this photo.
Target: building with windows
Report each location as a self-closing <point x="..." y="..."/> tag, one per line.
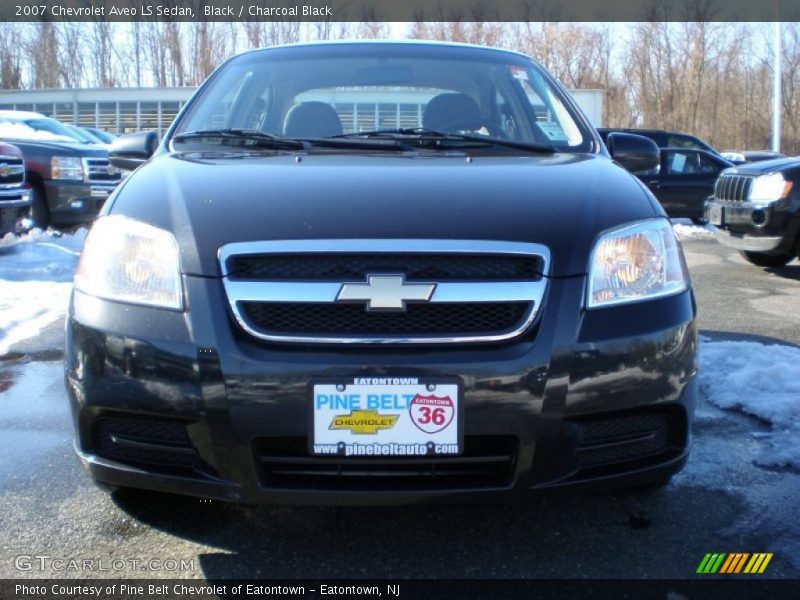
<point x="122" y="110"/>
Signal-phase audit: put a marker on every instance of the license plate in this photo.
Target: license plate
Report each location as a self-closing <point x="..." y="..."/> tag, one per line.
<point x="386" y="417"/>
<point x="715" y="215"/>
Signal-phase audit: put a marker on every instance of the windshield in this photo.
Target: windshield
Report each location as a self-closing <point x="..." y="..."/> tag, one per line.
<point x="35" y="129"/>
<point x="322" y="91"/>
<point x="51" y="126"/>
<point x="81" y="135"/>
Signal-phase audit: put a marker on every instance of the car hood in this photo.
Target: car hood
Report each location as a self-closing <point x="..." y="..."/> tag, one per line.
<point x="562" y="201"/>
<point x="766" y="166"/>
<point x="62" y="148"/>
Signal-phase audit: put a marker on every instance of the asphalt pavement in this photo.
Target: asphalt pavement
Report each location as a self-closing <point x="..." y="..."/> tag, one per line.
<point x="723" y="502"/>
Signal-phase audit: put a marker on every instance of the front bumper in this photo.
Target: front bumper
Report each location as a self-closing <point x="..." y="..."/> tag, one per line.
<point x="242" y="403"/>
<point x="75" y="202"/>
<point x="750" y="243"/>
<point x="15" y="206"/>
<point x="770" y="228"/>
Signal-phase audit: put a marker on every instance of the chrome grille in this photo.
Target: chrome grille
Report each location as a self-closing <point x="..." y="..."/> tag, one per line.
<point x="351" y="267"/>
<point x="12" y="171"/>
<point x="100" y="171"/>
<point x="733" y="188"/>
<point x="289" y="291"/>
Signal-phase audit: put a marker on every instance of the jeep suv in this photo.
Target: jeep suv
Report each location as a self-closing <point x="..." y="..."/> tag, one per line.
<point x="374" y="273"/>
<point x="756" y="210"/>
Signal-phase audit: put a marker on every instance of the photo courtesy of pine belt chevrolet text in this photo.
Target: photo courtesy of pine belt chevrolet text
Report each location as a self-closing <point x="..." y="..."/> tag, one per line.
<point x="465" y="294"/>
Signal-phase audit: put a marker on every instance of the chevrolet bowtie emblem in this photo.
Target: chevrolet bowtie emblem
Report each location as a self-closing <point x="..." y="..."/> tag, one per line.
<point x="364" y="422"/>
<point x="386" y="292"/>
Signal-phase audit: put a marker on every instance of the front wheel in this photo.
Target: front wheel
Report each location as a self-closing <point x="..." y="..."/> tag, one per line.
<point x="39" y="213"/>
<point x="767" y="260"/>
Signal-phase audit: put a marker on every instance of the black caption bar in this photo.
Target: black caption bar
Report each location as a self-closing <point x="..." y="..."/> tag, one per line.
<point x="463" y="589"/>
<point x="400" y="10"/>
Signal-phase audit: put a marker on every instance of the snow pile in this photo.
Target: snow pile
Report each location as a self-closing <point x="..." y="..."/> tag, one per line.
<point x="36" y="273"/>
<point x="760" y="380"/>
<point x="685" y="228"/>
<point x="15" y="130"/>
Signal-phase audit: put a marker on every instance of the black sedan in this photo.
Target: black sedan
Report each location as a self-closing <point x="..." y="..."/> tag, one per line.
<point x="374" y="273"/>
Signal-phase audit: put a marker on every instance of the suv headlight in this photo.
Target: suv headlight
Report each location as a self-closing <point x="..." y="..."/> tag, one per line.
<point x="66" y="167"/>
<point x="766" y="188"/>
<point x="130" y="261"/>
<point x="636" y="262"/>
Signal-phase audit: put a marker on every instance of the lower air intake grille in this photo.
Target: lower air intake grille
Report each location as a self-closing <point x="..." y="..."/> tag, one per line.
<point x="353" y="319"/>
<point x="144" y="442"/>
<point x="622" y="439"/>
<point x="487" y="462"/>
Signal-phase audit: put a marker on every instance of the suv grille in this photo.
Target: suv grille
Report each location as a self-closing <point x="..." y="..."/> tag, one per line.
<point x="100" y="171"/>
<point x="733" y="188"/>
<point x="477" y="291"/>
<point x="12" y="171"/>
<point x="487" y="462"/>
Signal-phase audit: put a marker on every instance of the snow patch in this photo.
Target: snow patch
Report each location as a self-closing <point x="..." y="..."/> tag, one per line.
<point x="685" y="228"/>
<point x="15" y="130"/>
<point x="36" y="272"/>
<point x="760" y="380"/>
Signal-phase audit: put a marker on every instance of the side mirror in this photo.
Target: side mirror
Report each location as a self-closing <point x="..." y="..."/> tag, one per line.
<point x="131" y="150"/>
<point x="634" y="152"/>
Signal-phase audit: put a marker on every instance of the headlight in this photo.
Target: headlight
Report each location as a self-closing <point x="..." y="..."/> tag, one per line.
<point x="766" y="188"/>
<point x="636" y="262"/>
<point x="66" y="167"/>
<point x="130" y="261"/>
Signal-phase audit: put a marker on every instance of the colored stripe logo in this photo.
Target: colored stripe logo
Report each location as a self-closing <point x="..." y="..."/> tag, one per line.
<point x="733" y="563"/>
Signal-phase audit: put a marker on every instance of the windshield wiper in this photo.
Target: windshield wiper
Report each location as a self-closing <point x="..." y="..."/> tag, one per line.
<point x="423" y="134"/>
<point x="391" y="144"/>
<point x="259" y="138"/>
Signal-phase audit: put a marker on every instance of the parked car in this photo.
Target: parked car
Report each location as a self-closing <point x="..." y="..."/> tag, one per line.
<point x="756" y="210"/>
<point x="747" y="156"/>
<point x="665" y="139"/>
<point x="479" y="303"/>
<point x="103" y="136"/>
<point x="85" y="136"/>
<point x="15" y="196"/>
<point x="685" y="180"/>
<point x="69" y="180"/>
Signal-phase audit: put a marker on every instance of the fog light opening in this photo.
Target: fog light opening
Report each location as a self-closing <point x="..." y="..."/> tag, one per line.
<point x="759" y="217"/>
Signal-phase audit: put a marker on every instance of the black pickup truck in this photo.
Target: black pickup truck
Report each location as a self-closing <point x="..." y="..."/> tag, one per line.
<point x="756" y="210"/>
<point x="15" y="195"/>
<point x="69" y="179"/>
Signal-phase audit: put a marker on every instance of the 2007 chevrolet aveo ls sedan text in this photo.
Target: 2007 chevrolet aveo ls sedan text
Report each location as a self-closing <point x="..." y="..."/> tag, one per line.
<point x="376" y="273"/>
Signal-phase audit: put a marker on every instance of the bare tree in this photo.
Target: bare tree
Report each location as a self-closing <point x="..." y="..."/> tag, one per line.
<point x="10" y="57"/>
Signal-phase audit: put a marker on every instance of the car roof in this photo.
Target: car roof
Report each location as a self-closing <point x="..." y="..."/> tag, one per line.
<point x="20" y="114"/>
<point x="404" y="42"/>
<point x="643" y="130"/>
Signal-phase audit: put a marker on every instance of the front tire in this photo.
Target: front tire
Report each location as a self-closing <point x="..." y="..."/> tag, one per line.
<point x="767" y="260"/>
<point x="40" y="215"/>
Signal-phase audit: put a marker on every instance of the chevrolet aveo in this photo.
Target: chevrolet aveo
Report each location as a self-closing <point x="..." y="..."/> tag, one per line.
<point x="378" y="273"/>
